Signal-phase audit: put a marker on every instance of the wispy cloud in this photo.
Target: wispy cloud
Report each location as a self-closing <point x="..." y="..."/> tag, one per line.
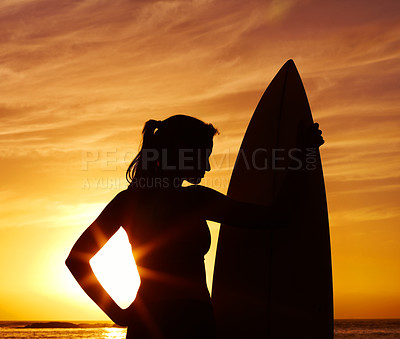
<point x="376" y="213"/>
<point x="24" y="212"/>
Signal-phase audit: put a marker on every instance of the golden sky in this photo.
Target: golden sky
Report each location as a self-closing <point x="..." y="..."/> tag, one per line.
<point x="79" y="79"/>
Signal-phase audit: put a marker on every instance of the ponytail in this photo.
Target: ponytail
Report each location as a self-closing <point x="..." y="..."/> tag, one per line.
<point x="149" y="143"/>
<point x="148" y="133"/>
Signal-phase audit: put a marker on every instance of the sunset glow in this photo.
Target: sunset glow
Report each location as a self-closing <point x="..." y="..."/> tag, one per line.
<point x="80" y="78"/>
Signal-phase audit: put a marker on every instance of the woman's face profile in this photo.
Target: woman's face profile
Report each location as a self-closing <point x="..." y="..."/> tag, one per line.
<point x="195" y="163"/>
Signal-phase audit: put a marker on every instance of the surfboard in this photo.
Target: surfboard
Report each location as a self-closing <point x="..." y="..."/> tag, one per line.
<point x="275" y="283"/>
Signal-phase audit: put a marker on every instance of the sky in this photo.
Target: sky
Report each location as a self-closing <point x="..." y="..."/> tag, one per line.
<point x="78" y="79"/>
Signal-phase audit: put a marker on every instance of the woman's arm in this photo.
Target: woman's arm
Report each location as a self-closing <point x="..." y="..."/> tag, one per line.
<point x="88" y="244"/>
<point x="220" y="208"/>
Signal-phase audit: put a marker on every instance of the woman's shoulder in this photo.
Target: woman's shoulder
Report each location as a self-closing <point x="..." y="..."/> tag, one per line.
<point x="202" y="192"/>
<point x="125" y="195"/>
<point x="196" y="188"/>
<point x="191" y="193"/>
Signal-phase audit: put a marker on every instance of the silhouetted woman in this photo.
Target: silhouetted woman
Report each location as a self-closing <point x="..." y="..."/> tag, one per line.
<point x="166" y="225"/>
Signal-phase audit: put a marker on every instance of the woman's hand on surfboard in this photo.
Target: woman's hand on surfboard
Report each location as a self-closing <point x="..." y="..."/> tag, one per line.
<point x="310" y="136"/>
<point x="315" y="136"/>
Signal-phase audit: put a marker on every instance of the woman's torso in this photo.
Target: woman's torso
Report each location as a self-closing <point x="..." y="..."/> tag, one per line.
<point x="169" y="240"/>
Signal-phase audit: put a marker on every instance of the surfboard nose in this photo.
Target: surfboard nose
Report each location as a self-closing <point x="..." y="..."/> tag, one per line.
<point x="289" y="63"/>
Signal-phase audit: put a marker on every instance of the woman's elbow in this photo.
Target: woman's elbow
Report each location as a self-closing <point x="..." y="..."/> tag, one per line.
<point x="72" y="262"/>
<point x="69" y="263"/>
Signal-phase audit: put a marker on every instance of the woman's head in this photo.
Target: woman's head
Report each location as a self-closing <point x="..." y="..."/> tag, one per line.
<point x="175" y="148"/>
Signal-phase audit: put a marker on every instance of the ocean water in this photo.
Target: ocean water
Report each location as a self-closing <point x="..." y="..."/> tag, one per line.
<point x="87" y="330"/>
<point x="355" y="329"/>
<point x="367" y="328"/>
